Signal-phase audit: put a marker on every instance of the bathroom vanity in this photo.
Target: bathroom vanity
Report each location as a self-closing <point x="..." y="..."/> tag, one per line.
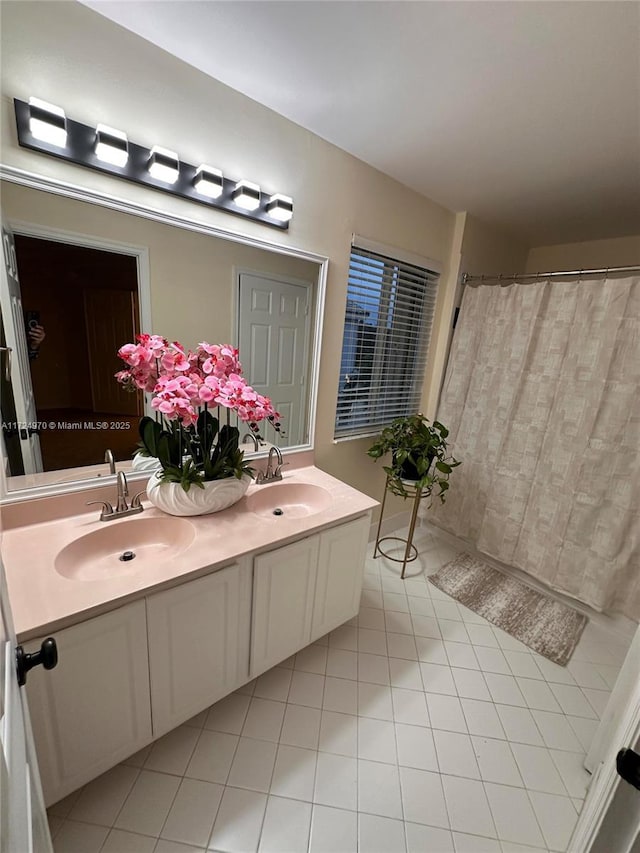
<point x="205" y="607"/>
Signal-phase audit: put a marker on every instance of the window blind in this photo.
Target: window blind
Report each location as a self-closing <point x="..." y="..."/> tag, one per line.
<point x="388" y="320"/>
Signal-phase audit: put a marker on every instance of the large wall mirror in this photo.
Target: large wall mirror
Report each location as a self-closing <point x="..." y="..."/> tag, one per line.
<point x="84" y="275"/>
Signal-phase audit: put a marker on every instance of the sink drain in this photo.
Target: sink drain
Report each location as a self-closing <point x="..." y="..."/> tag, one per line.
<point x="278" y="511"/>
<point x="126" y="556"/>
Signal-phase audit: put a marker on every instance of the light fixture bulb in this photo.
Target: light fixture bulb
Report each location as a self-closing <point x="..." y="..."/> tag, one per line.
<point x="111" y="145"/>
<point x="246" y="195"/>
<point x="164" y="165"/>
<point x="208" y="181"/>
<point x="47" y="122"/>
<point x="280" y="207"/>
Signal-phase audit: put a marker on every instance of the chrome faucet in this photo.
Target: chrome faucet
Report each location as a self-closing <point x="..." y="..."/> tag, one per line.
<point x="269" y="474"/>
<point x="254" y="438"/>
<point x="108" y="457"/>
<point x="122" y="507"/>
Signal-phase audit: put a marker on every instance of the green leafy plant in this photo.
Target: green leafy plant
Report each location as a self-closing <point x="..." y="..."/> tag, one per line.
<point x="418" y="453"/>
<point x="196" y="454"/>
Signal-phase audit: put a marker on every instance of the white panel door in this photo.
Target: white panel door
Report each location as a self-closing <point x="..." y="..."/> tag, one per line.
<point x="13" y="316"/>
<point x="93" y="710"/>
<point x="625" y="691"/>
<point x="340" y="571"/>
<point x="283" y="587"/>
<point x="273" y="339"/>
<point x="195" y="633"/>
<point x="23" y="820"/>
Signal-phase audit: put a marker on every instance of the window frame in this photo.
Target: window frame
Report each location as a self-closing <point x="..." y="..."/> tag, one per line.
<point x="408" y="283"/>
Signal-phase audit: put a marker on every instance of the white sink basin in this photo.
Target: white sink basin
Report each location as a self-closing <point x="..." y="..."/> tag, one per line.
<point x="288" y="500"/>
<point x="106" y="553"/>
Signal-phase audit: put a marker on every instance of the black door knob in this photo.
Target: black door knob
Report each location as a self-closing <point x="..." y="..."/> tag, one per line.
<point x="628" y="766"/>
<point x="47" y="656"/>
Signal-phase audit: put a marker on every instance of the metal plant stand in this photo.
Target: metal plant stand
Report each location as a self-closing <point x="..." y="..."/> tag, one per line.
<point x="410" y="551"/>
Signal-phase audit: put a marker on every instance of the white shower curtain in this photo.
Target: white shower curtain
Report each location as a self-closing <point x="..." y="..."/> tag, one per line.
<point x="542" y="398"/>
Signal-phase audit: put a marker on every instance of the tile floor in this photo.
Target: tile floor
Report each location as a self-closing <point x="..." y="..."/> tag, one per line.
<point x="417" y="728"/>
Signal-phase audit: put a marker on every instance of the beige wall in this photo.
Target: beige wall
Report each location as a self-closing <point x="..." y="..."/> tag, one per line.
<point x="619" y="252"/>
<point x="487" y="250"/>
<point x="65" y="53"/>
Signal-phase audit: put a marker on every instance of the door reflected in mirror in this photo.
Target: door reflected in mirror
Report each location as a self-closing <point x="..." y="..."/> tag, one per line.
<point x="80" y="280"/>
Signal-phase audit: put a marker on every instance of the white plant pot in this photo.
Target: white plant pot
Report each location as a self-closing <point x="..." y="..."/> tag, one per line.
<point x="216" y="495"/>
<point x="144" y="463"/>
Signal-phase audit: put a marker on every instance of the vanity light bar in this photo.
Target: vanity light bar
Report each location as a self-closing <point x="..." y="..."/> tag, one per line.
<point x="45" y="128"/>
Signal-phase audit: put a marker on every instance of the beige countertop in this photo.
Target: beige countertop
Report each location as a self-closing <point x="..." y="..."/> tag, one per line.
<point x="44" y="600"/>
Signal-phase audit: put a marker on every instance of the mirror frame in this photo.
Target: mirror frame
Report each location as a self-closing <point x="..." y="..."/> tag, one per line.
<point x="66" y="189"/>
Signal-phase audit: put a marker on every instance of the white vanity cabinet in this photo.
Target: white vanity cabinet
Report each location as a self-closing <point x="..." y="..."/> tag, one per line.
<point x="198" y="644"/>
<point x="92" y="711"/>
<point x="129" y="676"/>
<point x="283" y="588"/>
<point x="339" y="577"/>
<point x="304" y="590"/>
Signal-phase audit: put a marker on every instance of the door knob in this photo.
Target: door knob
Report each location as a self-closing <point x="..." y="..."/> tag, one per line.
<point x="47" y="656"/>
<point x="628" y="766"/>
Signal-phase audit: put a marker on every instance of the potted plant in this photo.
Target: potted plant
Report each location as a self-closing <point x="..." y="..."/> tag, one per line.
<point x="418" y="454"/>
<point x="201" y="467"/>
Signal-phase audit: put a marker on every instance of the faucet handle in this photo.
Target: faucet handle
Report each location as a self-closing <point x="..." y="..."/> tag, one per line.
<point x="107" y="509"/>
<point x="136" y="500"/>
<point x="277" y="474"/>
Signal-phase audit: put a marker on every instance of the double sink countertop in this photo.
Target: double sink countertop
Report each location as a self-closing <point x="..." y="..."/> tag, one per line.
<point x="64" y="571"/>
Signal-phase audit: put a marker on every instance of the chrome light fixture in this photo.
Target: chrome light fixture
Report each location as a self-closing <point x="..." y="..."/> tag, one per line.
<point x="47" y="122"/>
<point x="246" y="195"/>
<point x="280" y="207"/>
<point x="111" y="145"/>
<point x="208" y="181"/>
<point x="164" y="165"/>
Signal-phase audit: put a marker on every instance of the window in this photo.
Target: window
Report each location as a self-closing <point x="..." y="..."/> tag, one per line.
<point x="390" y="305"/>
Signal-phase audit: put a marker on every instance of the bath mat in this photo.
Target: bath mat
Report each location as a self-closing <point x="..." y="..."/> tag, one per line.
<point x="545" y="625"/>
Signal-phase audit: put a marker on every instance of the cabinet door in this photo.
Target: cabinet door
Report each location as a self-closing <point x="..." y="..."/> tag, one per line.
<point x="92" y="710"/>
<point x="340" y="570"/>
<point x="193" y="646"/>
<point x="283" y="585"/>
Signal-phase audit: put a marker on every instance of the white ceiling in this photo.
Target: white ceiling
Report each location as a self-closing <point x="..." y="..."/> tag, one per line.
<point x="525" y="114"/>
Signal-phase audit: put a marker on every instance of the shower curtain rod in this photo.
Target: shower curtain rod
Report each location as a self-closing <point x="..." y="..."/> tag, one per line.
<point x="466" y="278"/>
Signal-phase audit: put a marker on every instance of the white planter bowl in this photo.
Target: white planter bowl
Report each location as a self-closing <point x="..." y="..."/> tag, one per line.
<point x="216" y="495"/>
<point x="144" y="463"/>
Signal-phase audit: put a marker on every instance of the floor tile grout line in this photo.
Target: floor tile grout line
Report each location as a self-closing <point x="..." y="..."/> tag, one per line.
<point x="235" y="752"/>
<point x="182" y="776"/>
<point x="138" y="774"/>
